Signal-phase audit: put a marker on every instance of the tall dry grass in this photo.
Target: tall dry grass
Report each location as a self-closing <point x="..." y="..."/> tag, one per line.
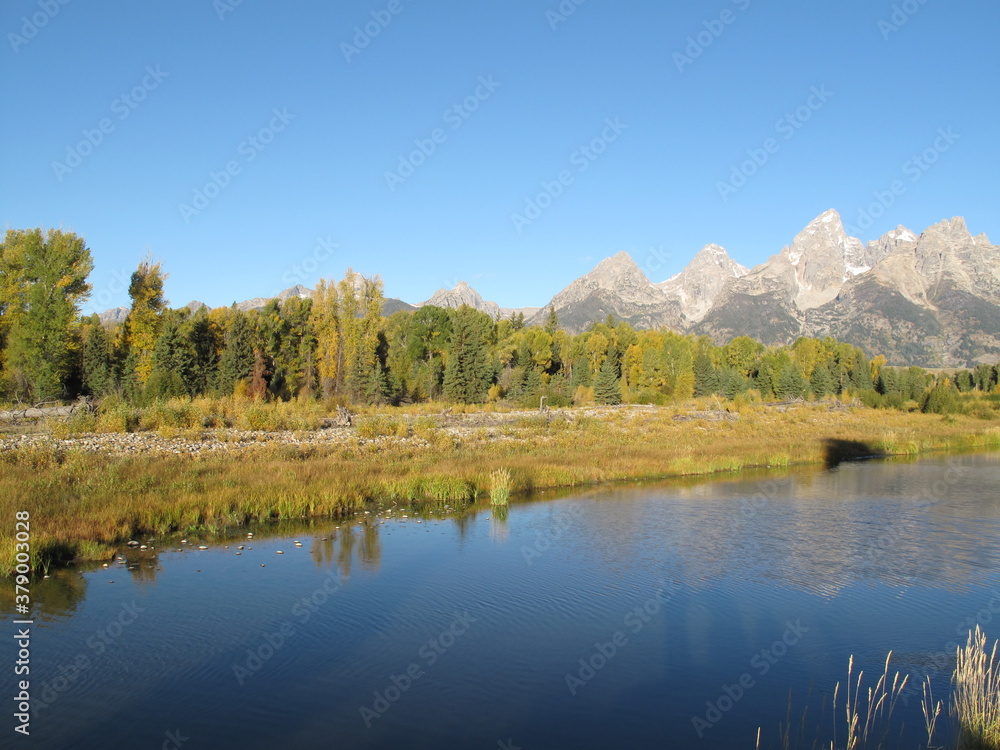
<point x="79" y="497"/>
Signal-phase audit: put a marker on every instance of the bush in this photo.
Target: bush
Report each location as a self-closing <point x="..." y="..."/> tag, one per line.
<point x="941" y="399"/>
<point x="375" y="427"/>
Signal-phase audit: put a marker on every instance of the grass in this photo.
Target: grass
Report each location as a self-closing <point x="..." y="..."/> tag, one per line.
<point x="501" y="484"/>
<point x="975" y="703"/>
<point x="974" y="707"/>
<point x="83" y="505"/>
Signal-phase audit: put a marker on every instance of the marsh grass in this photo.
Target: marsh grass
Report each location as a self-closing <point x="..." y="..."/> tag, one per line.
<point x="77" y="497"/>
<point x="501" y="484"/>
<point x="974" y="707"/>
<point x="975" y="701"/>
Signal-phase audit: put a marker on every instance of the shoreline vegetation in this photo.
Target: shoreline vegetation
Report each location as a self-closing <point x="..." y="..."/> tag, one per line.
<point x="969" y="721"/>
<point x="203" y="419"/>
<point x="91" y="484"/>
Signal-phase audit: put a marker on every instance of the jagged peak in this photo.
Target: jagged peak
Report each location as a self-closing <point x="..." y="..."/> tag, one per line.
<point x="953" y="227"/>
<point x="830" y="216"/>
<point x="621" y="259"/>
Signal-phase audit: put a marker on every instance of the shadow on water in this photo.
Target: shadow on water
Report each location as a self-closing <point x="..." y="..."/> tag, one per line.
<point x="836" y="451"/>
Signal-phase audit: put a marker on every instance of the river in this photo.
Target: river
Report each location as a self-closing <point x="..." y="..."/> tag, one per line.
<point x="676" y="615"/>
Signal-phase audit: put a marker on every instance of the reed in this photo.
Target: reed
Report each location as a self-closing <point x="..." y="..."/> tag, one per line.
<point x="975" y="701"/>
<point x="501" y="484"/>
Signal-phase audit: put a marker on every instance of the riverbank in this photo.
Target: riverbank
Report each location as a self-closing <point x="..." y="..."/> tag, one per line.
<point x="88" y="494"/>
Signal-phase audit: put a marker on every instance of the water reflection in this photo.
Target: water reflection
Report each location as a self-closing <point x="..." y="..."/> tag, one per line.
<point x="869" y="557"/>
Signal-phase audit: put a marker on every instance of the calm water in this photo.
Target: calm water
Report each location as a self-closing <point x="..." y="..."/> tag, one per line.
<point x="606" y="618"/>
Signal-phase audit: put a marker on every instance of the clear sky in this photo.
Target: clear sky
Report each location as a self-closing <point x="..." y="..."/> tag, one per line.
<point x="301" y="126"/>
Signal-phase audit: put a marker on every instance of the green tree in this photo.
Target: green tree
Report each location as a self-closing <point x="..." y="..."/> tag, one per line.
<point x="174" y="357"/>
<point x="821" y="382"/>
<point x="706" y="382"/>
<point x="238" y="357"/>
<point x="607" y="385"/>
<point x="552" y="321"/>
<point x="44" y="283"/>
<point x="467" y="374"/>
<point x="98" y="360"/>
<point x="790" y="383"/>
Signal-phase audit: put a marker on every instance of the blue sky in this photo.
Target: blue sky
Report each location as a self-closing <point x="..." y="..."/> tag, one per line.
<point x="624" y="121"/>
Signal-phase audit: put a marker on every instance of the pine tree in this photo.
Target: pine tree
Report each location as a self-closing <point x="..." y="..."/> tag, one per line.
<point x="790" y="383"/>
<point x="173" y="353"/>
<point x="552" y="321"/>
<point x="821" y="382"/>
<point x="238" y="356"/>
<point x="706" y="381"/>
<point x="467" y="374"/>
<point x="607" y="386"/>
<point x="581" y="372"/>
<point x="98" y="364"/>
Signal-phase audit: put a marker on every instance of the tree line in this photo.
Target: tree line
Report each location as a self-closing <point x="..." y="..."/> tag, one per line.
<point x="339" y="346"/>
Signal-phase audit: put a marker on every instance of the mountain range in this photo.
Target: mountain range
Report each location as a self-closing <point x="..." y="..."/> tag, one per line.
<point x="929" y="299"/>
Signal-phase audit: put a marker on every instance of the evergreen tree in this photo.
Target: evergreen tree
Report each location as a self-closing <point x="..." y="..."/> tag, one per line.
<point x="706" y="382"/>
<point x="790" y="383"/>
<point x="173" y="353"/>
<point x="821" y="382"/>
<point x="552" y="321"/>
<point x="201" y="339"/>
<point x="860" y="375"/>
<point x="467" y="374"/>
<point x="238" y="356"/>
<point x="581" y="372"/>
<point x="607" y="386"/>
<point x="98" y="363"/>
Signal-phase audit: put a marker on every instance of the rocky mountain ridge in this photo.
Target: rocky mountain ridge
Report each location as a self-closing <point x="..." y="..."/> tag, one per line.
<point x="931" y="299"/>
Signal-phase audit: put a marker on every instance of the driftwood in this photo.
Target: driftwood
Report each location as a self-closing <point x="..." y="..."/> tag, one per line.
<point x="343" y="419"/>
<point x="40" y="411"/>
<point x="708" y="416"/>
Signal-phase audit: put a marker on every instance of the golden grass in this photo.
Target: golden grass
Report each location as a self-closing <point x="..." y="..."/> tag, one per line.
<point x="75" y="497"/>
<point x="974" y="706"/>
<point x="975" y="703"/>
